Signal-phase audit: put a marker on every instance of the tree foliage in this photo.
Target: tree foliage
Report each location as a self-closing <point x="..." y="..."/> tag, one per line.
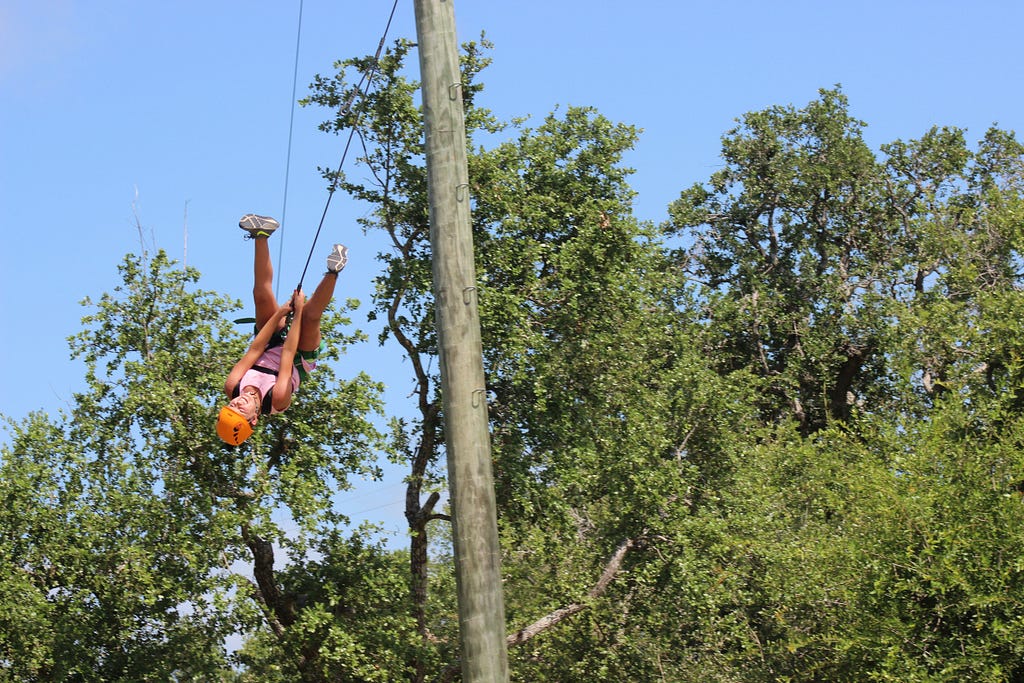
<point x="775" y="438"/>
<point x="128" y="525"/>
<point x="875" y="300"/>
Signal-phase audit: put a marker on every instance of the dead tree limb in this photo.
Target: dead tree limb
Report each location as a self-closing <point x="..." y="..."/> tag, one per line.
<point x="547" y="621"/>
<point x="611" y="569"/>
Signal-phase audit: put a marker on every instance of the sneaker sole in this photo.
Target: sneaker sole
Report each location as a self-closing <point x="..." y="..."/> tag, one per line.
<point x="338" y="259"/>
<point x="258" y="226"/>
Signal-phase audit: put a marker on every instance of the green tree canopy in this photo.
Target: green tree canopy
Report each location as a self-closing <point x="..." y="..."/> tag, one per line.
<point x="776" y="438"/>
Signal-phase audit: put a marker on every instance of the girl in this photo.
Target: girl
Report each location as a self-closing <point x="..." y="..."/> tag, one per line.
<point x="280" y="356"/>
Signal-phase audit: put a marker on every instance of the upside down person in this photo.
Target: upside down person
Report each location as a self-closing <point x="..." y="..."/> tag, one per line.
<point x="281" y="355"/>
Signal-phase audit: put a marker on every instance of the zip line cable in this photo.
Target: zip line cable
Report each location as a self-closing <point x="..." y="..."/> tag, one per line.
<point x="366" y="79"/>
<point x="288" y="157"/>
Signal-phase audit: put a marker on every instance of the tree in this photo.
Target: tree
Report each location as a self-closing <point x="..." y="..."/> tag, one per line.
<point x="876" y="302"/>
<point x="127" y="519"/>
<point x="776" y="438"/>
<point x="390" y="129"/>
<point x="818" y="261"/>
<point x="796" y="242"/>
<point x="608" y="426"/>
<point x="605" y="419"/>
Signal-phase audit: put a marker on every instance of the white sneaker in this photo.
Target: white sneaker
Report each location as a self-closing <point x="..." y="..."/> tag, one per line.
<point x="338" y="258"/>
<point x="258" y="226"/>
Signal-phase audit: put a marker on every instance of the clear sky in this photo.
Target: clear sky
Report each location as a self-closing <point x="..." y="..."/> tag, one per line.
<point x="178" y="113"/>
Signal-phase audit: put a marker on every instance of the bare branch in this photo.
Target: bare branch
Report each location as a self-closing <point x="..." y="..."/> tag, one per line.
<point x="519" y="637"/>
<point x="611" y="569"/>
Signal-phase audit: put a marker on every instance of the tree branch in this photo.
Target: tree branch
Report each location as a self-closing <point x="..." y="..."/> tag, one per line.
<point x="611" y="569"/>
<point x="280" y="614"/>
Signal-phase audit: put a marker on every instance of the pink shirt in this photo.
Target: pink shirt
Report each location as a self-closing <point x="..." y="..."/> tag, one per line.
<point x="264" y="382"/>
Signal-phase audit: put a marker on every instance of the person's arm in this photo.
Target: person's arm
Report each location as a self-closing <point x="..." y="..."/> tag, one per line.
<point x="256" y="349"/>
<point x="283" y="386"/>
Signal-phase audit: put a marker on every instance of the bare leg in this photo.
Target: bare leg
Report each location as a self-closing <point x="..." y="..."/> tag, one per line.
<point x="263" y="282"/>
<point x="309" y="333"/>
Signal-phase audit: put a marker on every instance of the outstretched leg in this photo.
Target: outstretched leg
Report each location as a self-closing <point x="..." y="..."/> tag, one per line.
<point x="309" y="334"/>
<point x="259" y="229"/>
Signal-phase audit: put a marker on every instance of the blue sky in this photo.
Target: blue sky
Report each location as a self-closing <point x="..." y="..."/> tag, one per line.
<point x="177" y="113"/>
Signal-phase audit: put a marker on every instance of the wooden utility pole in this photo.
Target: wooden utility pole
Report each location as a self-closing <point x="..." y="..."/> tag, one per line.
<point x="484" y="656"/>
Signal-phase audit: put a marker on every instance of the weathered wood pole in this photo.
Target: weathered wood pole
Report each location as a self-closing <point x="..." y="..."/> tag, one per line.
<point x="484" y="657"/>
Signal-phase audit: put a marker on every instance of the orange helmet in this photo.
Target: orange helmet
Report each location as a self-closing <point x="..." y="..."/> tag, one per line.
<point x="232" y="427"/>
